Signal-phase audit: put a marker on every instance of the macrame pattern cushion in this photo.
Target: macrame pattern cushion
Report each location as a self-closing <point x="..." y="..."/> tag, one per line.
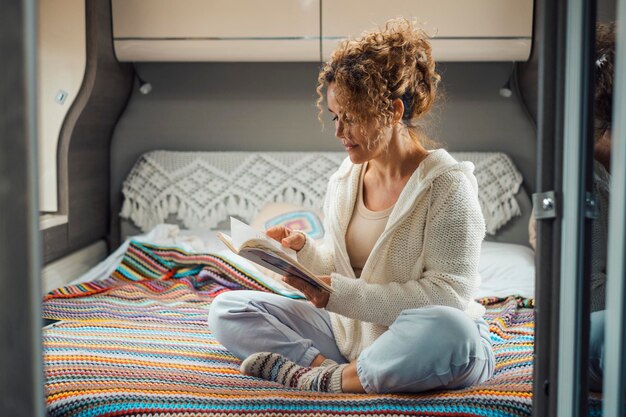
<point x="498" y="182"/>
<point x="204" y="188"/>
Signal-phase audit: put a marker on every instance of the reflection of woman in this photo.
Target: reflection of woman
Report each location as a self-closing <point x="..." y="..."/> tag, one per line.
<point x="403" y="233"/>
<point x="605" y="50"/>
<point x="605" y="58"/>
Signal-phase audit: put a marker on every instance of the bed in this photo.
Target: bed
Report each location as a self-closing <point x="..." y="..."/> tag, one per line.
<point x="130" y="337"/>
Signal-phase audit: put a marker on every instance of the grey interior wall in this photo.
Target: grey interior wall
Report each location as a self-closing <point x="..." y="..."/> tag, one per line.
<point x="271" y="107"/>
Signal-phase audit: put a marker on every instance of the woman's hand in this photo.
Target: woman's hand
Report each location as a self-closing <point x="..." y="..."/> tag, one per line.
<point x="319" y="298"/>
<point x="288" y="238"/>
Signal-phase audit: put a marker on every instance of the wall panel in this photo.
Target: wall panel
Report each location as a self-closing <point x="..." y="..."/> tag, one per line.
<point x="84" y="143"/>
<point x="271" y="107"/>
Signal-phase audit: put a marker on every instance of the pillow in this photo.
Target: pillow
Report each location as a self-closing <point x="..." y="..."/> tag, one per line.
<point x="292" y="216"/>
<point x="506" y="269"/>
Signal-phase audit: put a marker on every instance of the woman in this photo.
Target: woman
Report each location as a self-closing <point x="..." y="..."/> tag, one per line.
<point x="403" y="234"/>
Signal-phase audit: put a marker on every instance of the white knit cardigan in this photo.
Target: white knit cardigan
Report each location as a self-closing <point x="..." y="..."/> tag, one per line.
<point x="427" y="255"/>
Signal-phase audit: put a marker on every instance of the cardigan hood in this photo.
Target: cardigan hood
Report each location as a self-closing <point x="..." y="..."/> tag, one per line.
<point x="436" y="164"/>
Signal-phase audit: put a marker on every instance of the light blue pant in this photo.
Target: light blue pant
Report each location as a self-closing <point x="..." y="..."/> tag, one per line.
<point x="434" y="347"/>
<point x="596" y="351"/>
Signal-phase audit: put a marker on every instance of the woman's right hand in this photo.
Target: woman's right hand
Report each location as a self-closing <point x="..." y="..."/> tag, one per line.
<point x="288" y="238"/>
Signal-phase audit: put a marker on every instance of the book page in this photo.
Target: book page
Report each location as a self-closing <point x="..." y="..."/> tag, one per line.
<point x="241" y="232"/>
<point x="228" y="241"/>
<point x="255" y="246"/>
<point x="281" y="266"/>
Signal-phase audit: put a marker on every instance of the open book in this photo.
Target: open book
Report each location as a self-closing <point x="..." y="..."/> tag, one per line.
<point x="260" y="249"/>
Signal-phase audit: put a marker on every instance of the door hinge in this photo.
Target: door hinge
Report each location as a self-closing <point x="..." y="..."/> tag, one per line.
<point x="544" y="205"/>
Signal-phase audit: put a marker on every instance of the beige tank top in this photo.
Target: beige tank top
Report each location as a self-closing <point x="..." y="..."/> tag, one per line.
<point x="364" y="229"/>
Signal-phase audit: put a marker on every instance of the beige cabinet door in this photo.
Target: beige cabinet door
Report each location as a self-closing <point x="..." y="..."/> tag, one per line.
<point x="216" y="30"/>
<point x="461" y="29"/>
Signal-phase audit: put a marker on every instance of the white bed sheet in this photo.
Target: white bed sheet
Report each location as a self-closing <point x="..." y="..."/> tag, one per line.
<point x="505" y="269"/>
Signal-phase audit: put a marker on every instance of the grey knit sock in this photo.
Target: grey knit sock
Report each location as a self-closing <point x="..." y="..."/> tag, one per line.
<point x="277" y="368"/>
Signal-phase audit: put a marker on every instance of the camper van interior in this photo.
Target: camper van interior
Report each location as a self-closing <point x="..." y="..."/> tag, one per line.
<point x="488" y="265"/>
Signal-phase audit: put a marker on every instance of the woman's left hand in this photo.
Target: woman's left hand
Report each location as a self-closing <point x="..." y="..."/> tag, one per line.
<point x="318" y="297"/>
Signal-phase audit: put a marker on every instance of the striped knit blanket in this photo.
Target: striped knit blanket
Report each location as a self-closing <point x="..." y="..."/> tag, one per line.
<point x="137" y="344"/>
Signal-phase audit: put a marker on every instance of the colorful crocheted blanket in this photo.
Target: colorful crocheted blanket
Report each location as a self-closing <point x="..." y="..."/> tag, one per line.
<point x="138" y="344"/>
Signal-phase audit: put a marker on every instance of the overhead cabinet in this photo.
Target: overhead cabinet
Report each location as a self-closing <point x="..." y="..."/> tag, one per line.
<point x="216" y="30"/>
<point x="461" y="30"/>
<point x="308" y="30"/>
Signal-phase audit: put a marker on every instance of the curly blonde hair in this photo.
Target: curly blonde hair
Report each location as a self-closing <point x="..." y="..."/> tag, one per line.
<point x="371" y="71"/>
<point x="605" y="70"/>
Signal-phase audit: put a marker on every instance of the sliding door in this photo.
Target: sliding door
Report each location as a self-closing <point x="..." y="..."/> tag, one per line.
<point x="21" y="378"/>
<point x="615" y="353"/>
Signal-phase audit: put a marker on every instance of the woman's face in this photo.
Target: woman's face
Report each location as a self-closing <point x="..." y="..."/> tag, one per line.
<point x="352" y="136"/>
